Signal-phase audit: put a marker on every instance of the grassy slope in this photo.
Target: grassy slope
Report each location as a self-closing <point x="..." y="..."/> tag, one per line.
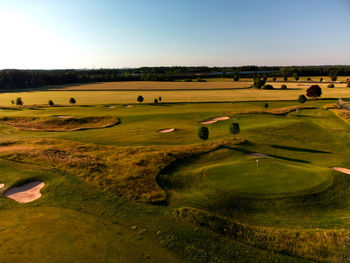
<point x="290" y="138"/>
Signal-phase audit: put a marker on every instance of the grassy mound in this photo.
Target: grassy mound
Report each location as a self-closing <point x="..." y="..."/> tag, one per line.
<point x="59" y="124"/>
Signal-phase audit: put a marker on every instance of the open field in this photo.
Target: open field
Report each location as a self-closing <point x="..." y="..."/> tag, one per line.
<point x="128" y="193"/>
<point x="212" y="92"/>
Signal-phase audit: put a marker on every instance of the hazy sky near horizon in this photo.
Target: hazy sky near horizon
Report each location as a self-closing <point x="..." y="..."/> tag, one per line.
<point x="47" y="34"/>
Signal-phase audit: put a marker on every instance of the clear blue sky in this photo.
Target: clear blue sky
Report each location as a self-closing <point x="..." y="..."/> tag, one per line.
<point x="132" y="33"/>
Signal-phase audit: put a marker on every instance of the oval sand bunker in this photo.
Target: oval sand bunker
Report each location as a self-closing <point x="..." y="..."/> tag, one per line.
<point x="342" y="170"/>
<point x="63" y="116"/>
<point x="1" y="185"/>
<point x="25" y="193"/>
<point x="167" y="130"/>
<point x="216" y="119"/>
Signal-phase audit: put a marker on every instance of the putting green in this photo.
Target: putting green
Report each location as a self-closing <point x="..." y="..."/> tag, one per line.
<point x="268" y="177"/>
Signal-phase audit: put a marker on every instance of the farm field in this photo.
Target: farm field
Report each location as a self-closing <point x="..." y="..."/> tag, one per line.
<point x="212" y="92"/>
<point x="128" y="193"/>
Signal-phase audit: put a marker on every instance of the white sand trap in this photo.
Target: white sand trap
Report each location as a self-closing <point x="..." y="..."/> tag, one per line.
<point x="63" y="116"/>
<point x="1" y="185"/>
<point x="110" y="107"/>
<point x="128" y="106"/>
<point x="342" y="170"/>
<point x="221" y="118"/>
<point x="216" y="119"/>
<point x="25" y="193"/>
<point x="259" y="155"/>
<point x="167" y="130"/>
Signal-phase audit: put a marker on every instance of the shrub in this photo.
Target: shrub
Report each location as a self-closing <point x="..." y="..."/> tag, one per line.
<point x="266" y="105"/>
<point x="302" y="99"/>
<point x="285" y="78"/>
<point x="19" y="101"/>
<point x="269" y="87"/>
<point x="308" y="79"/>
<point x="160" y="99"/>
<point x="348" y="84"/>
<point x="51" y="103"/>
<point x="274" y="78"/>
<point x="155" y="101"/>
<point x="321" y="79"/>
<point x="296" y="76"/>
<point x="203" y="133"/>
<point x="12" y="102"/>
<point x="284" y="86"/>
<point x="234" y="128"/>
<point x="72" y="101"/>
<point x="236" y="77"/>
<point x="314" y="91"/>
<point x="258" y="83"/>
<point x="140" y="99"/>
<point x="331" y="85"/>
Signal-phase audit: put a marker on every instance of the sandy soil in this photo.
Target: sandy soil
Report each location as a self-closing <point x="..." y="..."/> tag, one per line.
<point x="1" y="185"/>
<point x="167" y="130"/>
<point x="63" y="116"/>
<point x="216" y="119"/>
<point x="342" y="170"/>
<point x="25" y="193"/>
<point x="259" y="154"/>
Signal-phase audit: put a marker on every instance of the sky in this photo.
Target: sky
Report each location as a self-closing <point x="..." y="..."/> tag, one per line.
<point x="47" y="34"/>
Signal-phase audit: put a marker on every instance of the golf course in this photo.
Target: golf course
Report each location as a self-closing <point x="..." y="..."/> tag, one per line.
<point x="113" y="179"/>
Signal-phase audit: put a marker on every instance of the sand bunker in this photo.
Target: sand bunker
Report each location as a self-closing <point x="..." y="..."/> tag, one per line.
<point x="110" y="107"/>
<point x="342" y="170"/>
<point x="167" y="130"/>
<point x="259" y="155"/>
<point x="25" y="193"/>
<point x="63" y="116"/>
<point x="128" y="106"/>
<point x="1" y="185"/>
<point x="216" y="119"/>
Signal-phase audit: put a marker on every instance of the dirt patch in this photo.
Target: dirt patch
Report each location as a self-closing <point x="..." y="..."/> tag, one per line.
<point x="63" y="116"/>
<point x="55" y="124"/>
<point x="167" y="130"/>
<point x="25" y="193"/>
<point x="342" y="170"/>
<point x="259" y="155"/>
<point x="216" y="119"/>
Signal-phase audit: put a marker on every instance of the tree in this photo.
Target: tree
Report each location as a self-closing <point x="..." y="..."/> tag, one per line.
<point x="296" y="76"/>
<point x="333" y="75"/>
<point x="155" y="101"/>
<point x="321" y="79"/>
<point x="302" y="99"/>
<point x="140" y="99"/>
<point x="308" y="79"/>
<point x="51" y="103"/>
<point x="285" y="78"/>
<point x="258" y="83"/>
<point x="236" y="76"/>
<point x="234" y="128"/>
<point x="12" y="102"/>
<point x="331" y="86"/>
<point x="274" y="78"/>
<point x="348" y="85"/>
<point x="72" y="101"/>
<point x="19" y="101"/>
<point x="284" y="86"/>
<point x="314" y="91"/>
<point x="160" y="99"/>
<point x="266" y="105"/>
<point x="203" y="133"/>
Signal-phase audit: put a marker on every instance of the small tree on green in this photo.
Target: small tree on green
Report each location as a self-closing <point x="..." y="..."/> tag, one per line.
<point x="203" y="133"/>
<point x="155" y="101"/>
<point x="140" y="99"/>
<point x="19" y="101"/>
<point x="72" y="101"/>
<point x="51" y="103"/>
<point x="302" y="99"/>
<point x="266" y="105"/>
<point x="234" y="128"/>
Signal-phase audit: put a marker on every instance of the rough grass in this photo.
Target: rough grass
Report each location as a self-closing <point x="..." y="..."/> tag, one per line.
<point x="313" y="244"/>
<point x="344" y="114"/>
<point x="57" y="124"/>
<point x="275" y="111"/>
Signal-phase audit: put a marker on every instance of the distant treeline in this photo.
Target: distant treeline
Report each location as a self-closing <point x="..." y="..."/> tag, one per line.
<point x="21" y="79"/>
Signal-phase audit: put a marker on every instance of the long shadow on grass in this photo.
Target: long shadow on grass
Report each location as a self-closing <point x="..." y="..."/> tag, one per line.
<point x="297" y="149"/>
